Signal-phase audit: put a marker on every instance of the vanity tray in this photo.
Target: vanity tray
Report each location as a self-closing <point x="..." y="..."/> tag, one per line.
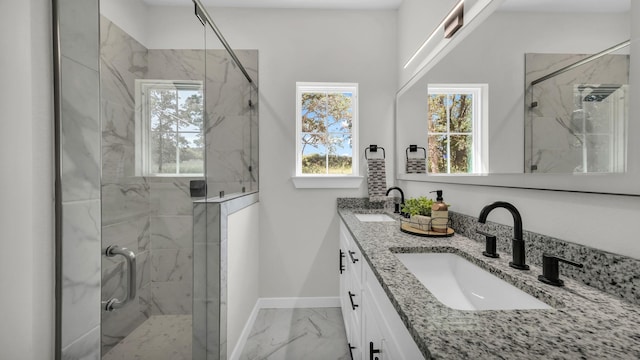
<point x="405" y="227"/>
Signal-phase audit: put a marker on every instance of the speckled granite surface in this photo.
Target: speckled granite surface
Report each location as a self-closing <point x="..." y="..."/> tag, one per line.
<point x="612" y="273"/>
<point x="585" y="323"/>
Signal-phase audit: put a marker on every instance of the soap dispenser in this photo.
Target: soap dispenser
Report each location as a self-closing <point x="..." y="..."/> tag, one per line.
<point x="439" y="214"/>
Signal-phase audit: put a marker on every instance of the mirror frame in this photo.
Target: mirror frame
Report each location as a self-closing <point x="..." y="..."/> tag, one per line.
<point x="627" y="184"/>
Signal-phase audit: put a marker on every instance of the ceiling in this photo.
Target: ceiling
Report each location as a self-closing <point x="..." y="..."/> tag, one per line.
<point x="298" y="4"/>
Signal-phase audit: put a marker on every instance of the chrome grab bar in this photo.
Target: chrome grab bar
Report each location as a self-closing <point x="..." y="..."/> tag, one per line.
<point x="130" y="256"/>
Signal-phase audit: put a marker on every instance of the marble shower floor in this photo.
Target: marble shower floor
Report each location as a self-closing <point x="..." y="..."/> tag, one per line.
<point x="294" y="334"/>
<point x="160" y="337"/>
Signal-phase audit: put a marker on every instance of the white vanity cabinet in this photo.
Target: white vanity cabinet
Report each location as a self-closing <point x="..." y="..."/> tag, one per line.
<point x="351" y="290"/>
<point x="374" y="329"/>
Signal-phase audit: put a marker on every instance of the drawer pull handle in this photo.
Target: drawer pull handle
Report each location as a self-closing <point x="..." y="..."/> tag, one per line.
<point x="353" y="260"/>
<point x="373" y="351"/>
<point x="351" y="295"/>
<point x="342" y="255"/>
<point x="351" y="350"/>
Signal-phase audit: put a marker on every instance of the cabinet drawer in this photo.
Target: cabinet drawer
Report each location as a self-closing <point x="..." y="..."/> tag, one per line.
<point x="397" y="342"/>
<point x="353" y="257"/>
<point x="352" y="300"/>
<point x="353" y="336"/>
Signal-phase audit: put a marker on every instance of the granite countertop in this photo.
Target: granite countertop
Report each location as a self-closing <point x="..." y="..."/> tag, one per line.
<point x="584" y="322"/>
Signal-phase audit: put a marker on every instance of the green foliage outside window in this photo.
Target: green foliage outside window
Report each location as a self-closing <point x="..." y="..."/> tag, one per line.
<point x="176" y="137"/>
<point x="450" y="126"/>
<point x="327" y="121"/>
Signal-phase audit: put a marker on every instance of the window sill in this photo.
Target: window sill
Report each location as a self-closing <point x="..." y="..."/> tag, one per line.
<point x="327" y="182"/>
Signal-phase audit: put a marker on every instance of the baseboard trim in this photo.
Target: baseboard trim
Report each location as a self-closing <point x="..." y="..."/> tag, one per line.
<point x="244" y="335"/>
<point x="279" y="303"/>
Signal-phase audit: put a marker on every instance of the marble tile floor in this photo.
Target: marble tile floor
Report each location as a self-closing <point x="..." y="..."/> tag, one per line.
<point x="294" y="334"/>
<point x="160" y="337"/>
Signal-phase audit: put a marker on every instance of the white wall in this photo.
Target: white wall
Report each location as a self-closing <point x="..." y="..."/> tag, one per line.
<point x="129" y="15"/>
<point x="243" y="270"/>
<point x="26" y="183"/>
<point x="416" y="21"/>
<point x="299" y="228"/>
<point x="601" y="221"/>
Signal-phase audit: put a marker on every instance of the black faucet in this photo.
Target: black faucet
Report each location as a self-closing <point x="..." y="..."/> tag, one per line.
<point x="397" y="206"/>
<point x="517" y="241"/>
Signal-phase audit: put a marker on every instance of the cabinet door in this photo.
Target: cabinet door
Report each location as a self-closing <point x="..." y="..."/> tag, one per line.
<point x="397" y="343"/>
<point x="372" y="337"/>
<point x="354" y="339"/>
<point x="344" y="279"/>
<point x="354" y="258"/>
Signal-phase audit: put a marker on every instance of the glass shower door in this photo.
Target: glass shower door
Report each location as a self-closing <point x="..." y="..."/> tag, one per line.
<point x="152" y="148"/>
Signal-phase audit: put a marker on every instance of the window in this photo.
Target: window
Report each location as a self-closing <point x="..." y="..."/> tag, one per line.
<point x="455" y="129"/>
<point x="169" y="121"/>
<point x="326" y="129"/>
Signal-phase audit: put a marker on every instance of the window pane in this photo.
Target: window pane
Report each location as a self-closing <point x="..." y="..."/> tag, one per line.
<point x="191" y="154"/>
<point x="313" y="111"/>
<point x="190" y="110"/>
<point x="339" y="118"/>
<point x="460" y="113"/>
<point x="314" y="155"/>
<point x="437" y="113"/>
<point x="340" y="165"/>
<point x="437" y="154"/>
<point x="340" y="154"/>
<point x="461" y="154"/>
<point x="162" y="109"/>
<point x="163" y="153"/>
<point x="311" y="141"/>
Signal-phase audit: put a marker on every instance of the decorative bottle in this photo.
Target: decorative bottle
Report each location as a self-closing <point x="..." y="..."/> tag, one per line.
<point x="439" y="214"/>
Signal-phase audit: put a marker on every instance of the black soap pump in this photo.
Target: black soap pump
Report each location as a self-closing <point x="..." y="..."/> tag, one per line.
<point x="439" y="214"/>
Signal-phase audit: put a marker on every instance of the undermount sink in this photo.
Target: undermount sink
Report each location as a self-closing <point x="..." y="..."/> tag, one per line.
<point x="373" y="217"/>
<point x="461" y="285"/>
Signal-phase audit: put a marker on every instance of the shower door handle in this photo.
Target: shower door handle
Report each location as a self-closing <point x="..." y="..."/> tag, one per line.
<point x="113" y="303"/>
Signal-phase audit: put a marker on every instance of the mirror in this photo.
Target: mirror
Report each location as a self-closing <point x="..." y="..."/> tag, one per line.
<point x="576" y="111"/>
<point x="515" y="144"/>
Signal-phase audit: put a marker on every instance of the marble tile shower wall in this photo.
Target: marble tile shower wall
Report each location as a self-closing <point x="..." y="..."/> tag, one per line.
<point x="125" y="198"/>
<point x="80" y="217"/>
<point x="123" y="60"/>
<point x="207" y="275"/>
<point x="233" y="123"/>
<point x="612" y="273"/>
<point x="171" y="289"/>
<point x="232" y="132"/>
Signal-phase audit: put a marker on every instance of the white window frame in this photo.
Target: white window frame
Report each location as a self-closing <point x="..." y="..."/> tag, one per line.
<point x="142" y="124"/>
<point x="327" y="180"/>
<point x="480" y="129"/>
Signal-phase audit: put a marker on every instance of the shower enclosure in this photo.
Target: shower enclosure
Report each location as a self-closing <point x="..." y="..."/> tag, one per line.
<point x="147" y="138"/>
<point x="576" y="112"/>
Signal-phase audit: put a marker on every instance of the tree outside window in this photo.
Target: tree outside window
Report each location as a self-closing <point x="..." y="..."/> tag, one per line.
<point x="453" y="117"/>
<point x="174" y="113"/>
<point x="326" y="119"/>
